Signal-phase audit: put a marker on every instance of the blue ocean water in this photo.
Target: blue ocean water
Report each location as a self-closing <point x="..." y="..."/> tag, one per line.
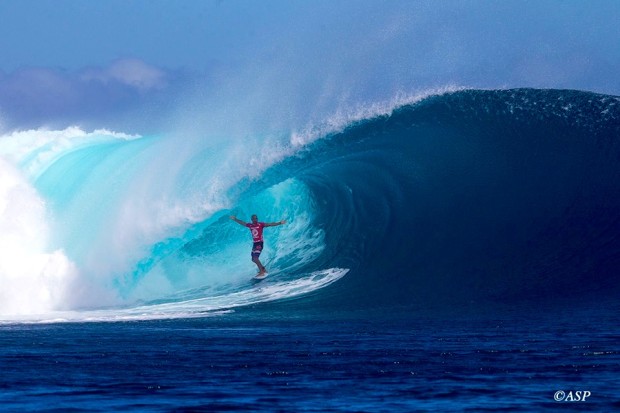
<point x="456" y="252"/>
<point x="266" y="361"/>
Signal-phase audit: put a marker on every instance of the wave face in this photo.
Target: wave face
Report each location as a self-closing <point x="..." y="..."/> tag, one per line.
<point x="505" y="196"/>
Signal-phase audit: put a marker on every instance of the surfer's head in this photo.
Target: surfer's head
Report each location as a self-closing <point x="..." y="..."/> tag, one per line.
<point x="254" y="218"/>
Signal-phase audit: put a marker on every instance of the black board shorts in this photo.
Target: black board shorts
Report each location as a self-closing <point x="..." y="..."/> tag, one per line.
<point x="257" y="248"/>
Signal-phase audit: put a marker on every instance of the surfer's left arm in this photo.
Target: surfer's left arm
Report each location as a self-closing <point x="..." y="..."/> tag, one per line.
<point x="275" y="224"/>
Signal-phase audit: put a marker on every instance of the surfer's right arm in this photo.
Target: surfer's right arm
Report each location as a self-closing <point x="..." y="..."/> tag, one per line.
<point x="238" y="221"/>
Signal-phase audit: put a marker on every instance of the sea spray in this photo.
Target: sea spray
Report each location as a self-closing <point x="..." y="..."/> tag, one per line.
<point x="34" y="278"/>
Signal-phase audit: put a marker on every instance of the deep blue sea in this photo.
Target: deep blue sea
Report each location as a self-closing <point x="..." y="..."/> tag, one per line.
<point x="266" y="361"/>
<point x="456" y="252"/>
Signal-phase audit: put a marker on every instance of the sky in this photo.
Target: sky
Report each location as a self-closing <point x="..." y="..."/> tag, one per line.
<point x="141" y="65"/>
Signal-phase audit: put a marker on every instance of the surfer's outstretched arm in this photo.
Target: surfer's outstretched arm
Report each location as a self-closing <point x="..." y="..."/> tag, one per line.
<point x="238" y="221"/>
<point x="275" y="224"/>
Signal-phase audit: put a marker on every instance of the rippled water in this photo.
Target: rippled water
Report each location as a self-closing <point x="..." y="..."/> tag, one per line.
<point x="244" y="362"/>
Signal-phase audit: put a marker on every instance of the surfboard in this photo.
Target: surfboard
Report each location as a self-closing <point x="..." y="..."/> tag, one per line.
<point x="260" y="276"/>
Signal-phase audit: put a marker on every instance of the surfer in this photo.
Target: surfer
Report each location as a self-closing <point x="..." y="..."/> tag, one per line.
<point x="257" y="236"/>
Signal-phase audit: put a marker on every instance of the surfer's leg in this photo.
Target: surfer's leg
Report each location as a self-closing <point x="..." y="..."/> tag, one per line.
<point x="256" y="250"/>
<point x="261" y="268"/>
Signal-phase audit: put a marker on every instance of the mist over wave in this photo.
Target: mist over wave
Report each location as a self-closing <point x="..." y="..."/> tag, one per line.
<point x="457" y="197"/>
<point x="113" y="219"/>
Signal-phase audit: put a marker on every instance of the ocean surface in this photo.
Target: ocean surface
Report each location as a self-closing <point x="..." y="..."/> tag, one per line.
<point x="449" y="252"/>
<point x="259" y="360"/>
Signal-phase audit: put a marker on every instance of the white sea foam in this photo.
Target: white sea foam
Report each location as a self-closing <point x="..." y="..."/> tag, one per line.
<point x="270" y="289"/>
<point x="34" y="279"/>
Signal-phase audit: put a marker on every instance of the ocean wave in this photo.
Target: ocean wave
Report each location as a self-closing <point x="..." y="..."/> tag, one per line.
<point x="463" y="196"/>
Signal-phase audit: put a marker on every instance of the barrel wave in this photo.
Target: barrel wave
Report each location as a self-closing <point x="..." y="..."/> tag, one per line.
<point x="475" y="197"/>
<point x="466" y="197"/>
